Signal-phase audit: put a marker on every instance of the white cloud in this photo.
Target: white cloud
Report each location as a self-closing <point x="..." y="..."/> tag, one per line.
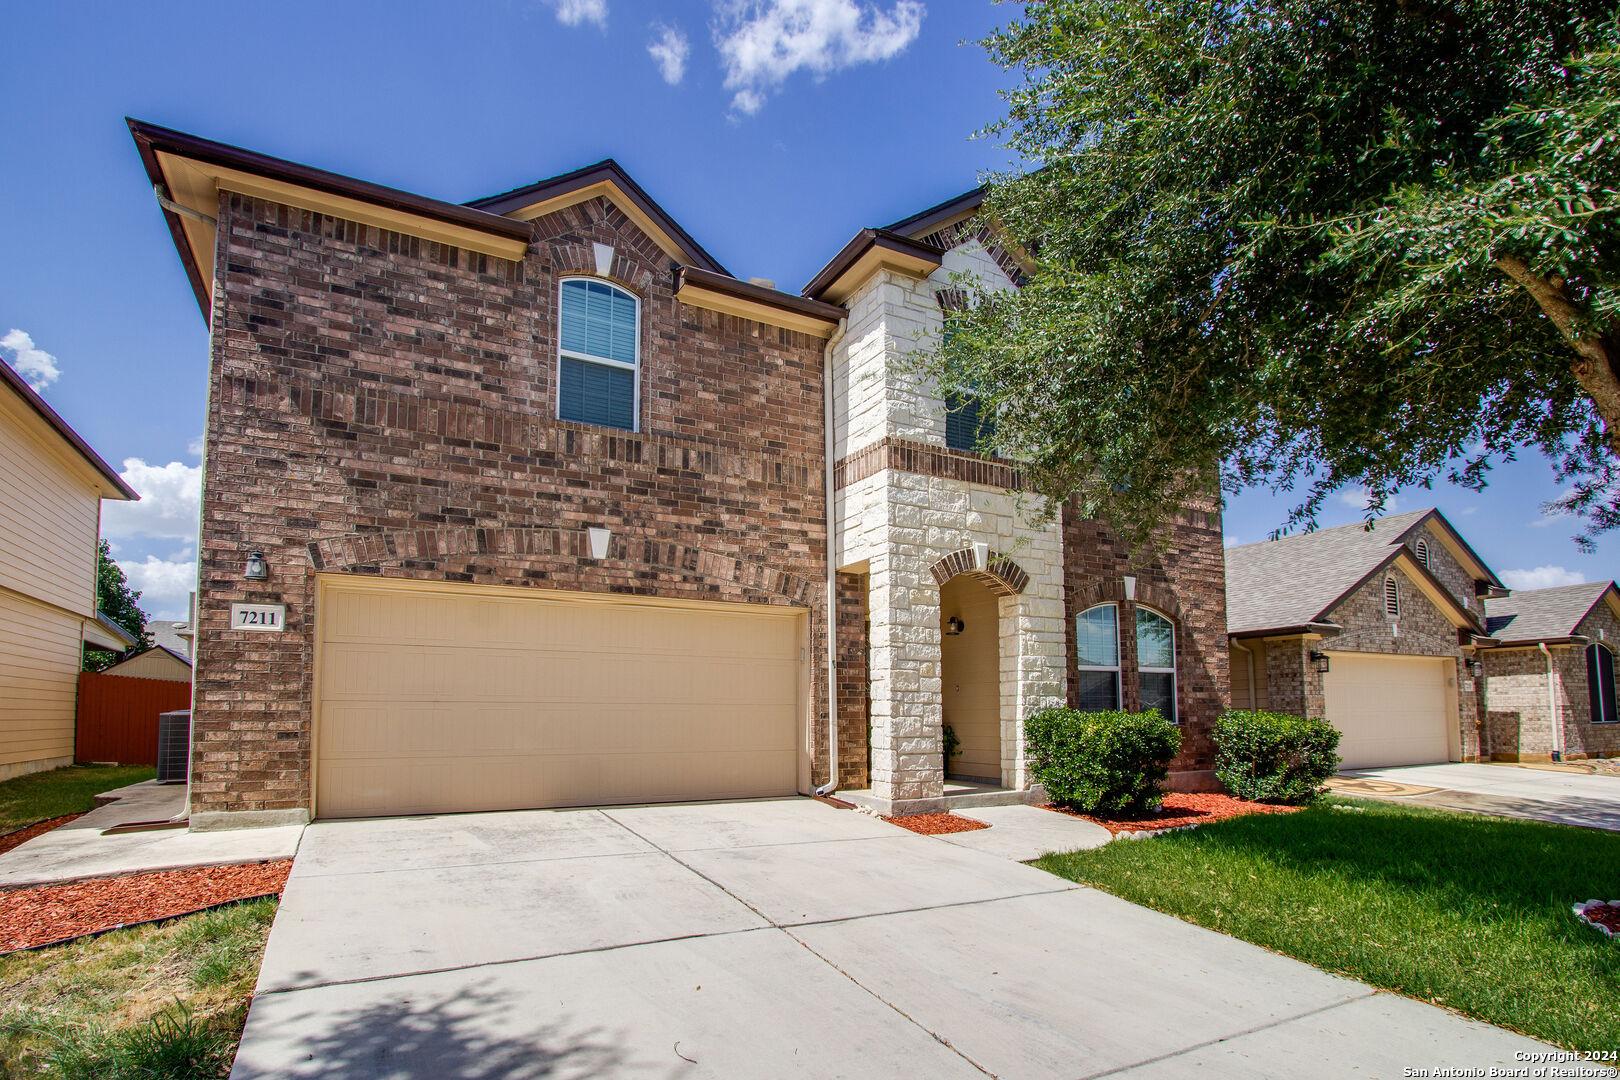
<point x="195" y="447"/>
<point x="669" y="51"/>
<point x="1357" y="498"/>
<point x="1542" y="577"/>
<point x="1231" y="541"/>
<point x="763" y="42"/>
<point x="575" y="12"/>
<point x="1553" y="516"/>
<point x="165" y="584"/>
<point x="36" y="366"/>
<point x="171" y="498"/>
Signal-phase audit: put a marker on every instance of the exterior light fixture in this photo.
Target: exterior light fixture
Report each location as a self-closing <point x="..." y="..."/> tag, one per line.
<point x="1319" y="661"/>
<point x="599" y="542"/>
<point x="1475" y="669"/>
<point x="256" y="569"/>
<point x="954" y="626"/>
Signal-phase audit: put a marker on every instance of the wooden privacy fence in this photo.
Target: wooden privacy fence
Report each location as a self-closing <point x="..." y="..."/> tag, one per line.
<point x="118" y="716"/>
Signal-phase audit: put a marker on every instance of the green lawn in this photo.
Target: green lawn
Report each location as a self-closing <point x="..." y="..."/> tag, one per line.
<point x="1465" y="911"/>
<point x="154" y="1002"/>
<point x="43" y="795"/>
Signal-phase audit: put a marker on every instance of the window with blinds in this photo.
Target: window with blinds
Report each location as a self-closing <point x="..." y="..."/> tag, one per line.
<point x="599" y="353"/>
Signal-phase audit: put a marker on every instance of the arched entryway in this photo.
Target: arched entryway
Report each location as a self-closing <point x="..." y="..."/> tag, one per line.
<point x="970" y="669"/>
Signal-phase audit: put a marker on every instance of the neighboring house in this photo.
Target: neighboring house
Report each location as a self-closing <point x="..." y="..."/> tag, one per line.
<point x="174" y="636"/>
<point x="1549" y="679"/>
<point x="50" y="521"/>
<point x="1377" y="630"/>
<point x="540" y="492"/>
<point x="158" y="662"/>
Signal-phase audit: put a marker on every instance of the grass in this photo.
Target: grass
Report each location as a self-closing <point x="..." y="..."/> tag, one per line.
<point x="68" y="790"/>
<point x="1461" y="910"/>
<point x="156" y="1002"/>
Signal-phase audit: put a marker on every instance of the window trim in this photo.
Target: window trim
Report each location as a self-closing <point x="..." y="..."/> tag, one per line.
<point x="1392" y="597"/>
<point x="1118" y="668"/>
<point x="1175" y="682"/>
<point x="1595" y="691"/>
<point x="605" y="361"/>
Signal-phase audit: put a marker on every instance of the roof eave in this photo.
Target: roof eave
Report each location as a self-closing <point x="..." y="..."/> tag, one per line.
<point x="864" y="241"/>
<point x="122" y="491"/>
<point x="941" y="212"/>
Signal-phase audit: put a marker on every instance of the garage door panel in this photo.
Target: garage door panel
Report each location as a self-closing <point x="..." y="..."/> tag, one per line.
<point x="437" y="701"/>
<point x="1393" y="710"/>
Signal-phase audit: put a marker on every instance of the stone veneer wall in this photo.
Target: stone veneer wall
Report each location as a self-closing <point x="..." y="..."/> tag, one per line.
<point x="1186" y="580"/>
<point x="383" y="405"/>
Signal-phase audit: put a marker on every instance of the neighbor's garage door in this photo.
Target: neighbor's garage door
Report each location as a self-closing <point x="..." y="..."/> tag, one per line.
<point x="440" y="698"/>
<point x="1393" y="710"/>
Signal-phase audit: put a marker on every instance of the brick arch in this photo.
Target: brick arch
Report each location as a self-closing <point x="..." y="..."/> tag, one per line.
<point x="1156" y="595"/>
<point x="542" y="544"/>
<point x="567" y="235"/>
<point x="1000" y="575"/>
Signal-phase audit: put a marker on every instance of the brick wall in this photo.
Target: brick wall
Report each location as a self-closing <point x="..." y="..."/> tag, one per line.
<point x="853" y="740"/>
<point x="1185" y="580"/>
<point x="1582" y="738"/>
<point x="383" y="405"/>
<point x="1518" y="713"/>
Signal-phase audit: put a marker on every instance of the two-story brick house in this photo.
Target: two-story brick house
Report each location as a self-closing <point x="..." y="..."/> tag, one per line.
<point x="524" y="502"/>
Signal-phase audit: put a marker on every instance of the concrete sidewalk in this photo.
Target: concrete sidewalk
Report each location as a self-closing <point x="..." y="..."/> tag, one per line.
<point x="771" y="939"/>
<point x="80" y="849"/>
<point x="1564" y="798"/>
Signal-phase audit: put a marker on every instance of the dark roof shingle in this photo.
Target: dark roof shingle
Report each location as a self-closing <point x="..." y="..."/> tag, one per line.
<point x="1542" y="614"/>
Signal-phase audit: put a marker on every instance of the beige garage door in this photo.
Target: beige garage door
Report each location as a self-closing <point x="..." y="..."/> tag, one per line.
<point x="1393" y="710"/>
<point x="445" y="698"/>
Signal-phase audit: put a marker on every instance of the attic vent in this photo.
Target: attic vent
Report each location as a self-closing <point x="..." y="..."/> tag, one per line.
<point x="1422" y="549"/>
<point x="1392" y="597"/>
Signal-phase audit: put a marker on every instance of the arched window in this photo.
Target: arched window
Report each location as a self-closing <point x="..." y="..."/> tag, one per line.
<point x="598" y="351"/>
<point x="1156" y="661"/>
<point x="1422" y="550"/>
<point x="1097" y="638"/>
<point x="1600" y="683"/>
<point x="1392" y="597"/>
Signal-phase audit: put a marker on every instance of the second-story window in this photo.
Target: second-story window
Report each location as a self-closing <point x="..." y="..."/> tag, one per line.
<point x="598" y="353"/>
<point x="968" y="421"/>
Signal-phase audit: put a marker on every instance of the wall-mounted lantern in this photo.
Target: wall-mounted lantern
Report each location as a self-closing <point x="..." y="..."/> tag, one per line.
<point x="599" y="542"/>
<point x="1475" y="669"/>
<point x="1319" y="661"/>
<point x="256" y="568"/>
<point x="954" y="626"/>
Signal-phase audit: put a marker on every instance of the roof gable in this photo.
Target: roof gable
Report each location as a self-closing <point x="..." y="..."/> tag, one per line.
<point x="108" y="483"/>
<point x="1547" y="614"/>
<point x="605" y="178"/>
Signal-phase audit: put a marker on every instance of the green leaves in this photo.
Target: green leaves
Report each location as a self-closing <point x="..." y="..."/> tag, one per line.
<point x="1265" y="248"/>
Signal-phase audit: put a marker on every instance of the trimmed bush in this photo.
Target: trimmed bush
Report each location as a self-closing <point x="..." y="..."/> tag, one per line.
<point x="1109" y="762"/>
<point x="1275" y="757"/>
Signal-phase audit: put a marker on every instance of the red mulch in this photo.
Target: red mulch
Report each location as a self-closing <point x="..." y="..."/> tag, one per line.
<point x="56" y="912"/>
<point x="934" y="824"/>
<point x="22" y="836"/>
<point x="1182" y="808"/>
<point x="1606" y="914"/>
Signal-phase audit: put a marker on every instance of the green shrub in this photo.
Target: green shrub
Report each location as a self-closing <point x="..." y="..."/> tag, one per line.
<point x="1274" y="757"/>
<point x="1111" y="762"/>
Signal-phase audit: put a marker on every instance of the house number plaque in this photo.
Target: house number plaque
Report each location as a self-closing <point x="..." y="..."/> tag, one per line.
<point x="269" y="617"/>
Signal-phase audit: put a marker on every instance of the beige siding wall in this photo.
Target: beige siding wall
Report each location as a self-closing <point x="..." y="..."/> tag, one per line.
<point x="153" y="664"/>
<point x="39" y="669"/>
<point x="49" y="517"/>
<point x="1241" y="667"/>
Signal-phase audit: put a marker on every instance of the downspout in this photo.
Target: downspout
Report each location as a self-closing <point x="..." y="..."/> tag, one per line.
<point x="1552" y="705"/>
<point x="829" y="423"/>
<point x="1249" y="653"/>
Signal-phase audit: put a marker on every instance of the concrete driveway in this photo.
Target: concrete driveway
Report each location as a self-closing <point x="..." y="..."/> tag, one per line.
<point x="770" y="939"/>
<point x="1568" y="798"/>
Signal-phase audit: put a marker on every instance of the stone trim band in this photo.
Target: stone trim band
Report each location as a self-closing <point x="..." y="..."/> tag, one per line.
<point x="926" y="459"/>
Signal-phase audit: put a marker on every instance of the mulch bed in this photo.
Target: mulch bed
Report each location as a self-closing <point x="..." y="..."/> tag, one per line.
<point x="22" y="836"/>
<point x="50" y="913"/>
<point x="935" y="824"/>
<point x="1181" y="809"/>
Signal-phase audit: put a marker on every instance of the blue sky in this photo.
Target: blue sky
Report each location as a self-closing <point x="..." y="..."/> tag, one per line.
<point x="771" y="130"/>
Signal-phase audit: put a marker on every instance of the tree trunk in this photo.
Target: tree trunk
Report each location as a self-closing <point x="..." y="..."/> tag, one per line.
<point x="1597" y="358"/>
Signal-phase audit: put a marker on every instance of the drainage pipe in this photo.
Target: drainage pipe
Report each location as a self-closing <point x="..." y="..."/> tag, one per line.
<point x="1553" y="711"/>
<point x="829" y="423"/>
<point x="1248" y="652"/>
